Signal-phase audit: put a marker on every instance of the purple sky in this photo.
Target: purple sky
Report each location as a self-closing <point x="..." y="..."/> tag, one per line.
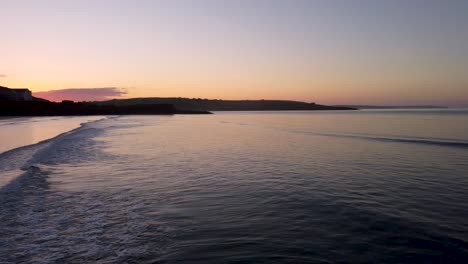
<point x="328" y="51"/>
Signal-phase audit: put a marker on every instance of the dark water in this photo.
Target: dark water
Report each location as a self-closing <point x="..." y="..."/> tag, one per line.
<point x="269" y="187"/>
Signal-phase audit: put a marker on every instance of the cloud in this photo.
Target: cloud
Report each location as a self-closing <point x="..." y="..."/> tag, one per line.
<point x="82" y="94"/>
<point x="3" y="75"/>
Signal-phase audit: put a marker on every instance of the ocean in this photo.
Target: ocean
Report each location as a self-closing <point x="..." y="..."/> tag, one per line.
<point x="368" y="186"/>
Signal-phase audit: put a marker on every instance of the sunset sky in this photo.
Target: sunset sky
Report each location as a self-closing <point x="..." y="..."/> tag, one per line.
<point x="325" y="51"/>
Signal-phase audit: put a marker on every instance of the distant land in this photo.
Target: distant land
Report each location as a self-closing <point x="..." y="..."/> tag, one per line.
<point x="223" y="105"/>
<point x="395" y="107"/>
<point x="69" y="108"/>
<point x="20" y="102"/>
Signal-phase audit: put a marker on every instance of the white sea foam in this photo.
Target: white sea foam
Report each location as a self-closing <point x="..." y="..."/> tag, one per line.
<point x="15" y="161"/>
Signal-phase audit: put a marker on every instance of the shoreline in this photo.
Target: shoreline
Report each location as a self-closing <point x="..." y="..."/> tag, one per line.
<point x="36" y="109"/>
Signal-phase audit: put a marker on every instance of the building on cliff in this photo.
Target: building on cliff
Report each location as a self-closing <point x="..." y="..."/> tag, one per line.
<point x="7" y="94"/>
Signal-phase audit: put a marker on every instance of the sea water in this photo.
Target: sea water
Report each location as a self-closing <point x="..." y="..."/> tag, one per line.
<point x="380" y="186"/>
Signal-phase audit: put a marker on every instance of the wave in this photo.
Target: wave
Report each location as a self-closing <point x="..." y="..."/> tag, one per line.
<point x="408" y="140"/>
<point x="69" y="146"/>
<point x="19" y="181"/>
<point x="443" y="142"/>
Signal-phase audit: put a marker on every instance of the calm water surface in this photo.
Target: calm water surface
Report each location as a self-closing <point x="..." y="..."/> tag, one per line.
<point x="241" y="187"/>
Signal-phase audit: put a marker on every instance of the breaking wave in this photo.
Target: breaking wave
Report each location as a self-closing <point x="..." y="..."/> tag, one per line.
<point x="17" y="164"/>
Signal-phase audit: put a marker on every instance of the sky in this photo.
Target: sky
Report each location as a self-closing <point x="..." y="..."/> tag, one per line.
<point x="379" y="52"/>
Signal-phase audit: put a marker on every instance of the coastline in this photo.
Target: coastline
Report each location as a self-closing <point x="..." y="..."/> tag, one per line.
<point x="34" y="108"/>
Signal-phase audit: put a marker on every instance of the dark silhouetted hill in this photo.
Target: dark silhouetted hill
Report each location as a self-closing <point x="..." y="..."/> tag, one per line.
<point x="223" y="105"/>
<point x="45" y="108"/>
<point x="151" y="106"/>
